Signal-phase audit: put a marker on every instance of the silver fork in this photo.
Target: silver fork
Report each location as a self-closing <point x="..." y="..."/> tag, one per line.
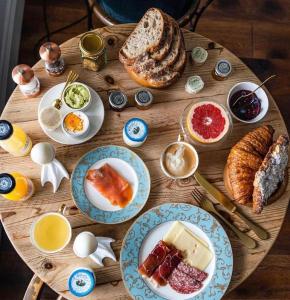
<point x="207" y="205"/>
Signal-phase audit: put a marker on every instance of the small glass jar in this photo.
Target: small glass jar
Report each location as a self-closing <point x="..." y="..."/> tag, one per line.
<point x="93" y="51"/>
<point x="118" y="100"/>
<point x="143" y="99"/>
<point x="222" y="70"/>
<point x="199" y="55"/>
<point x="28" y="83"/>
<point x="50" y="53"/>
<point x="16" y="187"/>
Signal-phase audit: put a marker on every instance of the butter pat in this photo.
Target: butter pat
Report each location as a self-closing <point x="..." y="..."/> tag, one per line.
<point x="195" y="250"/>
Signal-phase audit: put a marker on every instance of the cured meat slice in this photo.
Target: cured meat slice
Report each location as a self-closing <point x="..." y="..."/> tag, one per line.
<point x="154" y="259"/>
<point x="170" y="262"/>
<point x="111" y="185"/>
<point x="192" y="272"/>
<point x="183" y="283"/>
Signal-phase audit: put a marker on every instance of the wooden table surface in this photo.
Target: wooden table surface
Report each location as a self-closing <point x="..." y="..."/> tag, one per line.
<point x="17" y="217"/>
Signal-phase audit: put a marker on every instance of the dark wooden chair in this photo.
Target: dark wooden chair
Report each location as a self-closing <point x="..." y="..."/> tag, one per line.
<point x="112" y="12"/>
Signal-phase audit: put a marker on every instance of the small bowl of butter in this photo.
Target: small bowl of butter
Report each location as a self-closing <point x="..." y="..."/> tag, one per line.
<point x="77" y="96"/>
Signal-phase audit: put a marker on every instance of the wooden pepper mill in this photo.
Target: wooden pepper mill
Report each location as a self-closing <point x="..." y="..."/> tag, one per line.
<point x="28" y="83"/>
<point x="50" y="53"/>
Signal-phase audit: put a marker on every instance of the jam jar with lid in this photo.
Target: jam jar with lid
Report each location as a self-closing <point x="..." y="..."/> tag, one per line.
<point x="28" y="83"/>
<point x="222" y="70"/>
<point x="93" y="51"/>
<point x="117" y="100"/>
<point x="143" y="99"/>
<point x="50" y="53"/>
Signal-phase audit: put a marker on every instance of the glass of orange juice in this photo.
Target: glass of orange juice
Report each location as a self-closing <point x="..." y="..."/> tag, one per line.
<point x="51" y="232"/>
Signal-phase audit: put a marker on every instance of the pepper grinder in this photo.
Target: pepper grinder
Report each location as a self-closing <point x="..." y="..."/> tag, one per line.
<point x="28" y="83"/>
<point x="50" y="53"/>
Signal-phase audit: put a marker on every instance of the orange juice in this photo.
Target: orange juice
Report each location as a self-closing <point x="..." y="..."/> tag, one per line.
<point x="51" y="232"/>
<point x="13" y="139"/>
<point x="15" y="186"/>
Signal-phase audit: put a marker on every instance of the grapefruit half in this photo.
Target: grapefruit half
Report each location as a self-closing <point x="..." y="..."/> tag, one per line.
<point x="207" y="122"/>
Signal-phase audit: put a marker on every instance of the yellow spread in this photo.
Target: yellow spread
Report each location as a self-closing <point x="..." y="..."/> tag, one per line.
<point x="195" y="250"/>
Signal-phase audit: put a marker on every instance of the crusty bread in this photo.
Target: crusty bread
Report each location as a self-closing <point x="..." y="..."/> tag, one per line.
<point x="149" y="36"/>
<point x="271" y="173"/>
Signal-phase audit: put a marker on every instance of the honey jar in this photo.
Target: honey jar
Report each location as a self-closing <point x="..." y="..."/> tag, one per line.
<point x="93" y="51"/>
<point x="222" y="70"/>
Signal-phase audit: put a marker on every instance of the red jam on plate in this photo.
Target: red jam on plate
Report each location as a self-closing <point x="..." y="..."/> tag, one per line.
<point x="246" y="108"/>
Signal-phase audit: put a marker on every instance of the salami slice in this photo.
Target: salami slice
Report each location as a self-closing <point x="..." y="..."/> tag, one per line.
<point x="170" y="262"/>
<point x="192" y="272"/>
<point x="154" y="259"/>
<point x="183" y="283"/>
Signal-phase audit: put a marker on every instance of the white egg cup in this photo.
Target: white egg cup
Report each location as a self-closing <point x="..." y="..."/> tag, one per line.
<point x="51" y="169"/>
<point x="86" y="244"/>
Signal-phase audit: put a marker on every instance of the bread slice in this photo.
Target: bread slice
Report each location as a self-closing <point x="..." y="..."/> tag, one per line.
<point x="149" y="36"/>
<point x="271" y="173"/>
<point x="145" y="63"/>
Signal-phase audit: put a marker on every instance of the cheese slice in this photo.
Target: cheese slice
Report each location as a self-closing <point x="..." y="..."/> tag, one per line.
<point x="195" y="250"/>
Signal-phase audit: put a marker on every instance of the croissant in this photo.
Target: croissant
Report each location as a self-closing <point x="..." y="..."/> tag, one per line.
<point x="244" y="161"/>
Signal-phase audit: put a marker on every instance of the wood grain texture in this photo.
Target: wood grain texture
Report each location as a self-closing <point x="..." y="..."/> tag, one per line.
<point x="163" y="120"/>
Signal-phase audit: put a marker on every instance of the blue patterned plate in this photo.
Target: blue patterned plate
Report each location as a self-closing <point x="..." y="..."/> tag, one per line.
<point x="149" y="228"/>
<point x="92" y="203"/>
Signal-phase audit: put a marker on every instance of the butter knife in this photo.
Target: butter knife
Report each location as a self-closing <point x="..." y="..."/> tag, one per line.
<point x="229" y="205"/>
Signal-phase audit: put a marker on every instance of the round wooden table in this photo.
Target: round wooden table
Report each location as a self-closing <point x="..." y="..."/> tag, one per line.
<point x="163" y="120"/>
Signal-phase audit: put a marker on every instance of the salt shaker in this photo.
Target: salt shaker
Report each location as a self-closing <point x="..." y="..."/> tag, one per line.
<point x="50" y="53"/>
<point x="28" y="83"/>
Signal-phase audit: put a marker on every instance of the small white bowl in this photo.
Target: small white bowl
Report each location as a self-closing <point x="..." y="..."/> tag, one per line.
<point x="83" y="107"/>
<point x="261" y="94"/>
<point x="86" y="124"/>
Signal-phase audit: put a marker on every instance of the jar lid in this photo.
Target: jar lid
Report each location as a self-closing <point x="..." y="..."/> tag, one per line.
<point x="194" y="84"/>
<point x="50" y="52"/>
<point x="22" y="74"/>
<point x="118" y="100"/>
<point x="223" y="68"/>
<point x="199" y="55"/>
<point x="6" y="129"/>
<point x="81" y="282"/>
<point x="136" y="130"/>
<point x="143" y="97"/>
<point x="7" y="183"/>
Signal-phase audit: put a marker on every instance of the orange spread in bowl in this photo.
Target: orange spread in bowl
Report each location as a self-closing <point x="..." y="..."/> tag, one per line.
<point x="73" y="122"/>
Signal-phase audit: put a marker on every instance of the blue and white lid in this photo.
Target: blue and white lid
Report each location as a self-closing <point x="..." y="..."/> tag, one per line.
<point x="81" y="282"/>
<point x="136" y="130"/>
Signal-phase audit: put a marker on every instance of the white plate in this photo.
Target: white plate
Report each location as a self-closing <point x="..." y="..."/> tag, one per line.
<point x="124" y="169"/>
<point x="95" y="112"/>
<point x="153" y="238"/>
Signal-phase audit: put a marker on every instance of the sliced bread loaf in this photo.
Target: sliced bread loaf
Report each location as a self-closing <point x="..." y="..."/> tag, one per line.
<point x="149" y="36"/>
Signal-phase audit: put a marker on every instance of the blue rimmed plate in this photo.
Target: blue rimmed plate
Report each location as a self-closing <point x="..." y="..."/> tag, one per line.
<point x="92" y="203"/>
<point x="150" y="227"/>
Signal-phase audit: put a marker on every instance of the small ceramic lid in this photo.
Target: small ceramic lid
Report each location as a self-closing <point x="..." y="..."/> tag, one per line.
<point x="22" y="74"/>
<point x="136" y="130"/>
<point x="81" y="282"/>
<point x="118" y="100"/>
<point x="50" y="52"/>
<point x="7" y="183"/>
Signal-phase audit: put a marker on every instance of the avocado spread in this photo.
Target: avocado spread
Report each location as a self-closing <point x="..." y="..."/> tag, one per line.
<point x="76" y="96"/>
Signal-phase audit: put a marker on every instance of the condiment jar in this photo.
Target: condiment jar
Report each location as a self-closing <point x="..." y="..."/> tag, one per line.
<point x="117" y="100"/>
<point x="13" y="139"/>
<point x="16" y="187"/>
<point x="222" y="70"/>
<point x="199" y="55"/>
<point x="194" y="84"/>
<point x="93" y="51"/>
<point x="28" y="83"/>
<point x="143" y="99"/>
<point x="50" y="53"/>
<point x="135" y="132"/>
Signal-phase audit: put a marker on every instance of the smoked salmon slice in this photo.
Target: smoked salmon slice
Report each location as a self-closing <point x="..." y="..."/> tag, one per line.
<point x="111" y="185"/>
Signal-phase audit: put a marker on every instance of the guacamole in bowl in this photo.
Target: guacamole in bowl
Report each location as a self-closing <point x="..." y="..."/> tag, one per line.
<point x="77" y="96"/>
